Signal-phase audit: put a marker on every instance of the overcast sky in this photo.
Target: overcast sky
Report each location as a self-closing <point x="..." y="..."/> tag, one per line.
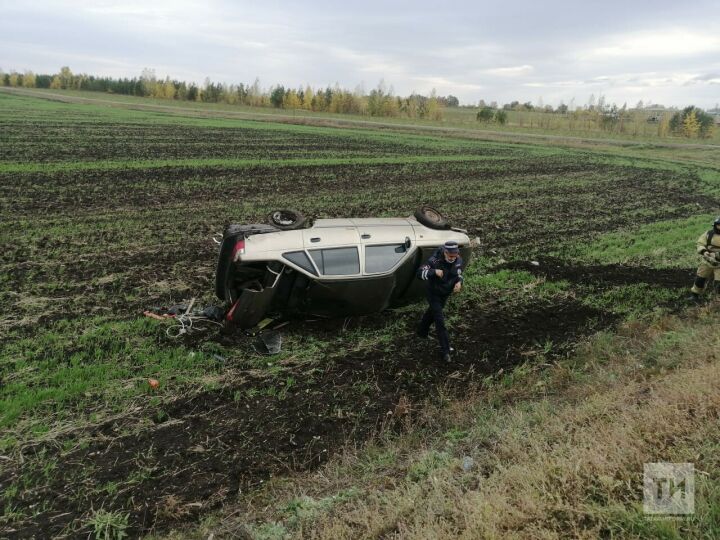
<point x="663" y="51"/>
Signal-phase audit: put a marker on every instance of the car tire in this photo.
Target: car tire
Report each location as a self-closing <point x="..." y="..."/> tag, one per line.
<point x="223" y="267"/>
<point x="287" y="220"/>
<point x="432" y="218"/>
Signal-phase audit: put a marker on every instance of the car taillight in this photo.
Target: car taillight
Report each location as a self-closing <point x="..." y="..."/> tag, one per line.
<point x="239" y="248"/>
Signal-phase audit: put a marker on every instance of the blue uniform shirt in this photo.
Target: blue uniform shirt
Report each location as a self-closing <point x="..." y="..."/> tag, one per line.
<point x="452" y="273"/>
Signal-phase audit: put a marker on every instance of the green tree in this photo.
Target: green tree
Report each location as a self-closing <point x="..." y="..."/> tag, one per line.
<point x="277" y="95"/>
<point x="485" y="115"/>
<point x="501" y="117"/>
<point x="692" y="122"/>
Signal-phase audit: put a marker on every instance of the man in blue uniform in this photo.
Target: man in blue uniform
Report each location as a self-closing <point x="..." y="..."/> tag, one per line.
<point x="443" y="273"/>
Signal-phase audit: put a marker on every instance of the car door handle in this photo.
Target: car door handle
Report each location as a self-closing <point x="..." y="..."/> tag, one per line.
<point x="365" y="236"/>
<point x="315" y="239"/>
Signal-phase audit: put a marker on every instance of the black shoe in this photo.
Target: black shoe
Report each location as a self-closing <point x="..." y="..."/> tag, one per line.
<point x="419" y="334"/>
<point x="446" y="358"/>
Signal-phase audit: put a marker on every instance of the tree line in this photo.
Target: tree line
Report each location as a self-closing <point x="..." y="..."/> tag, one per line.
<point x="380" y="101"/>
<point x="690" y="122"/>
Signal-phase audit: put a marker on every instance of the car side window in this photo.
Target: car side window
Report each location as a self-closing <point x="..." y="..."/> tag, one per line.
<point x="383" y="258"/>
<point x="337" y="261"/>
<point x="301" y="259"/>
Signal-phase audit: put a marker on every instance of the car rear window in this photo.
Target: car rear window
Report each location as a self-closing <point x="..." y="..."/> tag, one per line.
<point x="301" y="259"/>
<point x="337" y="261"/>
<point x="383" y="258"/>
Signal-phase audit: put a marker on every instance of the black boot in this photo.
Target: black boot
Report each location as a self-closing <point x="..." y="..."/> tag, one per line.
<point x="698" y="285"/>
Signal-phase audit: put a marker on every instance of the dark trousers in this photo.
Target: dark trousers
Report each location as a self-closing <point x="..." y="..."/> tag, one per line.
<point x="434" y="314"/>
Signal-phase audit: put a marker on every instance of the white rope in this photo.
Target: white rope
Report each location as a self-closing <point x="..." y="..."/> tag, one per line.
<point x="187" y="323"/>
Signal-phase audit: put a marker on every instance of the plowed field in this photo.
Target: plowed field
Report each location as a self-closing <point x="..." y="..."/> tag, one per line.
<point x="108" y="212"/>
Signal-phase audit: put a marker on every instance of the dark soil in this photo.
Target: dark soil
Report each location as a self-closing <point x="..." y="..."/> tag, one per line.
<point x="602" y="276"/>
<point x="206" y="449"/>
<point x="49" y="141"/>
<point x="98" y="243"/>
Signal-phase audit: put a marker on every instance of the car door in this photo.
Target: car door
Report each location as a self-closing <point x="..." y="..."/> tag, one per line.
<point x="335" y="252"/>
<point x="385" y="247"/>
<point x="389" y="254"/>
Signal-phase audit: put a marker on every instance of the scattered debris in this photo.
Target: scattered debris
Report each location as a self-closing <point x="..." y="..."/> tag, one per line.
<point x="258" y="328"/>
<point x="468" y="463"/>
<point x="187" y="319"/>
<point x="177" y="309"/>
<point x="154" y="383"/>
<point x="269" y="343"/>
<point x="281" y="325"/>
<point x="215" y="313"/>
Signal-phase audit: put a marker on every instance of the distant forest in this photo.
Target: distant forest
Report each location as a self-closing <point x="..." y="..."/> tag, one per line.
<point x="378" y="102"/>
<point x="690" y="122"/>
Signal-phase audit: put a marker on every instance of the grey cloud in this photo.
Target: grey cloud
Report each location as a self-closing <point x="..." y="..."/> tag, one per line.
<point x="708" y="76"/>
<point x="493" y="50"/>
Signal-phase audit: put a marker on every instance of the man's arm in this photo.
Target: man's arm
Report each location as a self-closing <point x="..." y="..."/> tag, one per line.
<point x="459" y="280"/>
<point x="711" y="257"/>
<point x="459" y="263"/>
<point x="702" y="244"/>
<point x="427" y="270"/>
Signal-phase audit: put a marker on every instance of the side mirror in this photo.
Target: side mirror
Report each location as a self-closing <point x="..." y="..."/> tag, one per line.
<point x="407" y="242"/>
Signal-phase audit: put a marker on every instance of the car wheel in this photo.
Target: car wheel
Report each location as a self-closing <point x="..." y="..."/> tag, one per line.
<point x="432" y="218"/>
<point x="287" y="220"/>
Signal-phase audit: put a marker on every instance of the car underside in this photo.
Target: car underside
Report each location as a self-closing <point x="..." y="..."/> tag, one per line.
<point x="292" y="281"/>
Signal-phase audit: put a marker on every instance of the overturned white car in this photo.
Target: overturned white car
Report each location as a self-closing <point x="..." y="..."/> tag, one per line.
<point x="335" y="267"/>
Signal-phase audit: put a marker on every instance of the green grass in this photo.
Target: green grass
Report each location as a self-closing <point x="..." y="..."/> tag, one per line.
<point x="231" y="163"/>
<point x="533" y="123"/>
<point x="549" y="445"/>
<point x="61" y="369"/>
<point x="664" y="244"/>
